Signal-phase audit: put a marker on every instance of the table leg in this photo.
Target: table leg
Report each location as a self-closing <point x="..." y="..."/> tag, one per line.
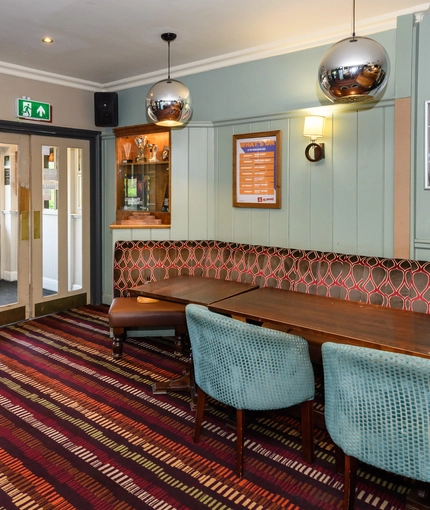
<point x="181" y="383"/>
<point x="184" y="382"/>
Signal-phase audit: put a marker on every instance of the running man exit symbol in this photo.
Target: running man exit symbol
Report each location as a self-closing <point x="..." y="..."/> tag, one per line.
<point x="28" y="109"/>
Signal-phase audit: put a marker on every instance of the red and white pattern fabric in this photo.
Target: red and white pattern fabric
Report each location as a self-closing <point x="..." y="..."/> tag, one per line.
<point x="396" y="283"/>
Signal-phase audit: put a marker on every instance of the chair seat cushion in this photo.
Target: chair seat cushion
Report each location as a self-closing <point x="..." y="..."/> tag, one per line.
<point x="126" y="312"/>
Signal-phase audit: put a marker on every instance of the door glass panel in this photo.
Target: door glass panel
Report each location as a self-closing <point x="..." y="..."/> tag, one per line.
<point x="74" y="179"/>
<point x="49" y="220"/>
<point x="9" y="226"/>
<point x="44" y="225"/>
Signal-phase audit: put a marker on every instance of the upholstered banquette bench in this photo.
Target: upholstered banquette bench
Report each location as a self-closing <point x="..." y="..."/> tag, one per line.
<point x="396" y="283"/>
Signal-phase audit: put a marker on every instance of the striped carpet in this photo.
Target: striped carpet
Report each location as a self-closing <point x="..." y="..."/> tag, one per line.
<point x="79" y="430"/>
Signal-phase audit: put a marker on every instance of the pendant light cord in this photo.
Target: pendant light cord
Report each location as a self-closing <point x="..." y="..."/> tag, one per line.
<point x="353" y="20"/>
<point x="168" y="61"/>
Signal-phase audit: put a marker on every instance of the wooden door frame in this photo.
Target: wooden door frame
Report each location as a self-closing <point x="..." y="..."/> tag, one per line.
<point x="94" y="138"/>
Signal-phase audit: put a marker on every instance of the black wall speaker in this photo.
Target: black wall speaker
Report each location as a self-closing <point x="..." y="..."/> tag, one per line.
<point x="106" y="109"/>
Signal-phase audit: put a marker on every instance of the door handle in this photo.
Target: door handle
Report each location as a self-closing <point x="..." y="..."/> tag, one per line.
<point x="24" y="206"/>
<point x="24" y="226"/>
<point x="36" y="225"/>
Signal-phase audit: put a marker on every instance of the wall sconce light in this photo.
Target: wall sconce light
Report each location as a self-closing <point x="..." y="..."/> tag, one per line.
<point x="314" y="128"/>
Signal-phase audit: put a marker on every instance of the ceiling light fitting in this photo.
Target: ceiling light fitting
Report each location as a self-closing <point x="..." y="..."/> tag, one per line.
<point x="314" y="128"/>
<point x="169" y="101"/>
<point x="354" y="69"/>
<point x="47" y="40"/>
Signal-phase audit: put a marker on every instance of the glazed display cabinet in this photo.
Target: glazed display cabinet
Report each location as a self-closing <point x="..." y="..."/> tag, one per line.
<point x="142" y="176"/>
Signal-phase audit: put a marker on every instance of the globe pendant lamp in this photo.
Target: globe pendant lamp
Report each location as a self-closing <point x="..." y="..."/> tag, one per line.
<point x="168" y="102"/>
<point x="354" y="69"/>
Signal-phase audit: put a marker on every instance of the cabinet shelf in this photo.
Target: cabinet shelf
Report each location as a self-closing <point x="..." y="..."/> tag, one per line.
<point x="143" y="163"/>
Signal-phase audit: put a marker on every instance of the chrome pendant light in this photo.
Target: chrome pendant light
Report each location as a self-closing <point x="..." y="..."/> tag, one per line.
<point x="169" y="101"/>
<point x="354" y="69"/>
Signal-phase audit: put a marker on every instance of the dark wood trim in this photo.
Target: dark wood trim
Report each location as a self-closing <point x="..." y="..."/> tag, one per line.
<point x="58" y="305"/>
<point x="402" y="177"/>
<point x="12" y="315"/>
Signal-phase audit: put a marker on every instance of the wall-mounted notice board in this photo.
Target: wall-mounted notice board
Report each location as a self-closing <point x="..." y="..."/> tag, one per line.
<point x="257" y="170"/>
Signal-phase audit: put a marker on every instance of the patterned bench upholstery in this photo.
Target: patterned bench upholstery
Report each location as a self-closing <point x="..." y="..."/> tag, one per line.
<point x="396" y="283"/>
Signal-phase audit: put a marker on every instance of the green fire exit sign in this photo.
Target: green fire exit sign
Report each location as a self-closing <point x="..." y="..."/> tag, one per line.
<point x="28" y="109"/>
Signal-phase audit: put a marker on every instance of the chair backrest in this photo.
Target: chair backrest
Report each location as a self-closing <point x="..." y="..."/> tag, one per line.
<point x="247" y="366"/>
<point x="377" y="407"/>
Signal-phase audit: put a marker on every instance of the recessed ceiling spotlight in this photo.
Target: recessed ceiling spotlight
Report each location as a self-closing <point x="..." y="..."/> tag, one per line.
<point x="47" y="40"/>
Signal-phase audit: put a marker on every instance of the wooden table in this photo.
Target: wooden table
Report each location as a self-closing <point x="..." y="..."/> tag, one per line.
<point x="320" y="319"/>
<point x="187" y="289"/>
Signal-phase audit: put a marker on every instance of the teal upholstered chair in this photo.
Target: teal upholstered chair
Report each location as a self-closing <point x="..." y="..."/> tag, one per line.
<point x="250" y="368"/>
<point x="377" y="410"/>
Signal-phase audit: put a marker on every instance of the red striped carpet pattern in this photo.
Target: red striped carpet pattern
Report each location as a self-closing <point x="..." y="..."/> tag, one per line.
<point x="79" y="430"/>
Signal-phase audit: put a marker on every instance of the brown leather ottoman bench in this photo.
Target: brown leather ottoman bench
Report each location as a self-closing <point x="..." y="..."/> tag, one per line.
<point x="127" y="312"/>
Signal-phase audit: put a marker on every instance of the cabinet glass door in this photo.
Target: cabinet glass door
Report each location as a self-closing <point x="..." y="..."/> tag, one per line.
<point x="143" y="176"/>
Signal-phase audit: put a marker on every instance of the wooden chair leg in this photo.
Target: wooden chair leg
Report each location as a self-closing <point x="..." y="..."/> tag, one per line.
<point x="307" y="417"/>
<point x="350" y="482"/>
<point x="418" y="497"/>
<point x="118" y="338"/>
<point x="201" y="401"/>
<point x="339" y="458"/>
<point x="240" y="423"/>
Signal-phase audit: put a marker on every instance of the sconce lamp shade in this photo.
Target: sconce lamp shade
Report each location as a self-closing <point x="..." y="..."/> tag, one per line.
<point x="353" y="70"/>
<point x="314" y="127"/>
<point x="169" y="103"/>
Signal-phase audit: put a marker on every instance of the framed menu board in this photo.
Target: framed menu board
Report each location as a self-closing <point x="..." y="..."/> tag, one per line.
<point x="257" y="170"/>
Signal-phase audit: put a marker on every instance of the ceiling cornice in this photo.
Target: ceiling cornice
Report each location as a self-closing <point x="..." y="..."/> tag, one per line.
<point x="56" y="79"/>
<point x="370" y="26"/>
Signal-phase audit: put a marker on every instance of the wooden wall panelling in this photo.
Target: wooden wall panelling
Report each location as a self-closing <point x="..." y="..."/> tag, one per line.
<point x="370" y="182"/>
<point x="299" y="199"/>
<point x="224" y="213"/>
<point x="180" y="217"/>
<point x="108" y="213"/>
<point x="344" y="132"/>
<point x="321" y="194"/>
<point x="212" y="182"/>
<point x="402" y="172"/>
<point x="279" y="219"/>
<point x="200" y="193"/>
<point x="389" y="182"/>
<point x="242" y="223"/>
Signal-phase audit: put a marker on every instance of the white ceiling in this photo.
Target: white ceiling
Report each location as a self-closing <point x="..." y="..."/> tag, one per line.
<point x="116" y="44"/>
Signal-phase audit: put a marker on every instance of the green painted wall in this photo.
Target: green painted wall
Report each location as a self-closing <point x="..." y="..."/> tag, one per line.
<point x="344" y="203"/>
<point x="268" y="86"/>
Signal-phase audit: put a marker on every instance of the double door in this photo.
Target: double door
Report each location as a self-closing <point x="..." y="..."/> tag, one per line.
<point x="44" y="225"/>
